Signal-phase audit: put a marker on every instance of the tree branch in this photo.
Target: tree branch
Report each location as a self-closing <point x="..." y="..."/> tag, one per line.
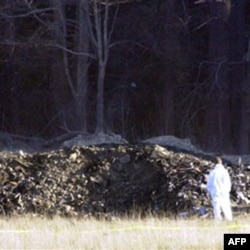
<point x="73" y="52"/>
<point x="32" y="12"/>
<point x="208" y="1"/>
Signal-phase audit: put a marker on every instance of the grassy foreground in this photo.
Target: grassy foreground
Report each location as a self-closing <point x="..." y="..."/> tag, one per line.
<point x="140" y="234"/>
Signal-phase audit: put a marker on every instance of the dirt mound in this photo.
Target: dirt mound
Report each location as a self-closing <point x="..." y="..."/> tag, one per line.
<point x="109" y="179"/>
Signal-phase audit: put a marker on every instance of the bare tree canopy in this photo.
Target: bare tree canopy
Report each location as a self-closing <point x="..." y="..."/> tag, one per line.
<point x="138" y="68"/>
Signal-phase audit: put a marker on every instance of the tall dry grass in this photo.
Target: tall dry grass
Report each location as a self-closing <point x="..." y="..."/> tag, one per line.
<point x="148" y="233"/>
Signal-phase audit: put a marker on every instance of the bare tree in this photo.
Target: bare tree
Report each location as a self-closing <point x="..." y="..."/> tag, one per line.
<point x="95" y="27"/>
<point x="77" y="79"/>
<point x="18" y="39"/>
<point x="82" y="64"/>
<point x="244" y="140"/>
<point x="101" y="32"/>
<point x="217" y="119"/>
<point x="240" y="78"/>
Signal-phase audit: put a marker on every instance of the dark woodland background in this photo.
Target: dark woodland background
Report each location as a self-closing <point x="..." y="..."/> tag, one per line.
<point x="138" y="68"/>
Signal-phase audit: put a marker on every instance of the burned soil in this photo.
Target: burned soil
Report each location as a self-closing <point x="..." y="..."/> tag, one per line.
<point x="107" y="180"/>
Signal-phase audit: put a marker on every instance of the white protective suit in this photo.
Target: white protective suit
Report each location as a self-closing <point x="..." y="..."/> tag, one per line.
<point x="219" y="186"/>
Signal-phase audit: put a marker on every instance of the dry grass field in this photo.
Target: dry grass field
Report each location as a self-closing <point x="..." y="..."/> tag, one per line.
<point x="139" y="233"/>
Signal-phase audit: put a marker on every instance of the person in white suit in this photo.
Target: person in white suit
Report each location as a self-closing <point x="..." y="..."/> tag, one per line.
<point x="219" y="187"/>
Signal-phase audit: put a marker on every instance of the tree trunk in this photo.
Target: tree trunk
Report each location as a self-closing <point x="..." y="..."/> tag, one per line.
<point x="12" y="75"/>
<point x="101" y="43"/>
<point x="239" y="88"/>
<point x="61" y="77"/>
<point x="58" y="81"/>
<point x="217" y="120"/>
<point x="100" y="98"/>
<point x="244" y="137"/>
<point x="77" y="85"/>
<point x="82" y="66"/>
<point x="168" y="49"/>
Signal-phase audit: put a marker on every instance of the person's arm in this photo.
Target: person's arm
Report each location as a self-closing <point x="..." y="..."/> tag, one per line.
<point x="209" y="182"/>
<point x="227" y="181"/>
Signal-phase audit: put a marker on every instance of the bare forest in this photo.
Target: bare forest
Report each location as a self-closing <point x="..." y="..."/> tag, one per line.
<point x="137" y="68"/>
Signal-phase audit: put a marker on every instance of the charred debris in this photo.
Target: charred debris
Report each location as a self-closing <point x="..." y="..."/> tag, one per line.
<point x="112" y="180"/>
